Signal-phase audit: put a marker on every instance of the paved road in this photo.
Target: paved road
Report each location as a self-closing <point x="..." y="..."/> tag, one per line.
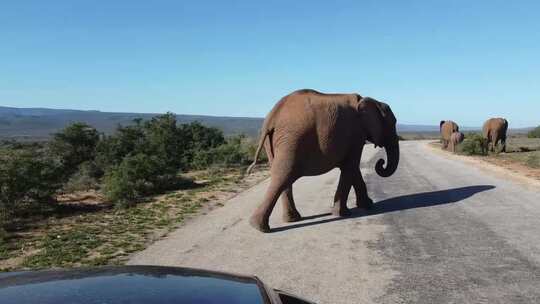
<point x="442" y="231"/>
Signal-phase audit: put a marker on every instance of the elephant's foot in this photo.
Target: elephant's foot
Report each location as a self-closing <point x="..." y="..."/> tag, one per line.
<point x="341" y="211"/>
<point x="259" y="224"/>
<point x="366" y="203"/>
<point x="292" y="216"/>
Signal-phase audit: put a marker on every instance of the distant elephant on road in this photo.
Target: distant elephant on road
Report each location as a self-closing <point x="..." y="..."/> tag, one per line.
<point x="447" y="127"/>
<point x="494" y="131"/>
<point x="309" y="133"/>
<point x="455" y="139"/>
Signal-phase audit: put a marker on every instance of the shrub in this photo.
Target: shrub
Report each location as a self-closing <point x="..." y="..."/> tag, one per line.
<point x="165" y="139"/>
<point x="112" y="149"/>
<point x="474" y="144"/>
<point x="236" y="151"/>
<point x="27" y="178"/>
<point x="135" y="177"/>
<point x="199" y="140"/>
<point x="535" y="133"/>
<point x="74" y="145"/>
<point x="176" y="145"/>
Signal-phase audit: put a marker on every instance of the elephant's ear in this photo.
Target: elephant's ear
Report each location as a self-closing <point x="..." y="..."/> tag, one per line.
<point x="361" y="106"/>
<point x="383" y="108"/>
<point x="364" y="104"/>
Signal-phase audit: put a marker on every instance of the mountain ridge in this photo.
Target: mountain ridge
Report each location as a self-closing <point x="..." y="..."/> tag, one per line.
<point x="40" y="123"/>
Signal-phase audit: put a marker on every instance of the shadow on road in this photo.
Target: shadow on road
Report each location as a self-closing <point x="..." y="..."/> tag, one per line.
<point x="411" y="201"/>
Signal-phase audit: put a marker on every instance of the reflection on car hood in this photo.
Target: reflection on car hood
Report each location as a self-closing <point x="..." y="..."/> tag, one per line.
<point x="129" y="284"/>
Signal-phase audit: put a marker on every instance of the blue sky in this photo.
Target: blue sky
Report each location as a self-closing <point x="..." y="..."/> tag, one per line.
<point x="430" y="60"/>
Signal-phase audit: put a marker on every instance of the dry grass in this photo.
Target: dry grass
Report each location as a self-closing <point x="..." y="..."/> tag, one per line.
<point x="522" y="144"/>
<point x="419" y="135"/>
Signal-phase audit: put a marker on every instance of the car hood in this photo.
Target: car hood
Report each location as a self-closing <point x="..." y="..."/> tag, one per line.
<point x="130" y="284"/>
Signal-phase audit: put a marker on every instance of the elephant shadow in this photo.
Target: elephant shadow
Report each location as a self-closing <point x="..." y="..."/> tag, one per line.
<point x="398" y="203"/>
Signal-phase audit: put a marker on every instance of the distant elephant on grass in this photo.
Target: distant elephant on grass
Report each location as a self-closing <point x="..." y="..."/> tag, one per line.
<point x="494" y="131"/>
<point x="309" y="133"/>
<point x="447" y="127"/>
<point x="455" y="139"/>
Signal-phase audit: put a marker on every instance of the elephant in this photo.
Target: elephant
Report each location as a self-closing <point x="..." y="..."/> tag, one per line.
<point x="494" y="131"/>
<point x="455" y="139"/>
<point x="309" y="133"/>
<point x="447" y="127"/>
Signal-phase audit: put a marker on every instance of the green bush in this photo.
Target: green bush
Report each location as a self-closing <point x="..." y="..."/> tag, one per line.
<point x="175" y="144"/>
<point x="199" y="140"/>
<point x="473" y="144"/>
<point x="535" y="133"/>
<point x="236" y="151"/>
<point x="74" y="145"/>
<point x="111" y="150"/>
<point x="135" y="177"/>
<point x="27" y="179"/>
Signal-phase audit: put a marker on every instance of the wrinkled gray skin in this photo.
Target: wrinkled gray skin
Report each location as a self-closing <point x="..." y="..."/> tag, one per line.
<point x="494" y="131"/>
<point x="455" y="139"/>
<point x="447" y="127"/>
<point x="310" y="133"/>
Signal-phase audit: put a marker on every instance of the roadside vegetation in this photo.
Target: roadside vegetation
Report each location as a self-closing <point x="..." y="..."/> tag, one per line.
<point x="84" y="198"/>
<point x="522" y="152"/>
<point x="535" y="133"/>
<point x="473" y="144"/>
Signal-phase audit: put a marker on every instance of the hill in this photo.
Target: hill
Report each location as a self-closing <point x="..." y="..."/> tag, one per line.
<point x="40" y="123"/>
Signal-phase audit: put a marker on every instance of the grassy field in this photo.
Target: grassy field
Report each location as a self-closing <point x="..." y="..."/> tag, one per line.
<point x="530" y="159"/>
<point x="108" y="235"/>
<point x="522" y="144"/>
<point x="521" y="150"/>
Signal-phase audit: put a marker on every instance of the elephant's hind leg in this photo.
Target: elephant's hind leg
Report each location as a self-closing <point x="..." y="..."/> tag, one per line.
<point x="342" y="194"/>
<point x="282" y="179"/>
<point x="290" y="213"/>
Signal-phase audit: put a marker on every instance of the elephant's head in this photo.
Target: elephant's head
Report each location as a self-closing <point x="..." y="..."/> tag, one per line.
<point x="379" y="124"/>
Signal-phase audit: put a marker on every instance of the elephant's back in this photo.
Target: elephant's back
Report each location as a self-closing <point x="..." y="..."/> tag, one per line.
<point x="308" y="109"/>
<point x="447" y="128"/>
<point x="497" y="124"/>
<point x="313" y="126"/>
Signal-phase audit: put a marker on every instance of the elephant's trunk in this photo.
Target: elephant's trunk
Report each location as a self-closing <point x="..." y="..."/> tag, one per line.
<point x="392" y="155"/>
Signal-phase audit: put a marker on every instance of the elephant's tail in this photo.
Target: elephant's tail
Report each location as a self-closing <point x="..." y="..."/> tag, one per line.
<point x="259" y="148"/>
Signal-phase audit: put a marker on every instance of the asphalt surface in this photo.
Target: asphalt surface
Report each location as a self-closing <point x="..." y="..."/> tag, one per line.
<point x="442" y="231"/>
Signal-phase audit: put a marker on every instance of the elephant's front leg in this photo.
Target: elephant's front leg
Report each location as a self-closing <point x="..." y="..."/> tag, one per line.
<point x="362" y="198"/>
<point x="342" y="193"/>
<point x="290" y="213"/>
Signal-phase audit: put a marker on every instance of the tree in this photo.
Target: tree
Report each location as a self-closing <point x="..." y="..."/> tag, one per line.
<point x="27" y="177"/>
<point x="74" y="145"/>
<point x="111" y="150"/>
